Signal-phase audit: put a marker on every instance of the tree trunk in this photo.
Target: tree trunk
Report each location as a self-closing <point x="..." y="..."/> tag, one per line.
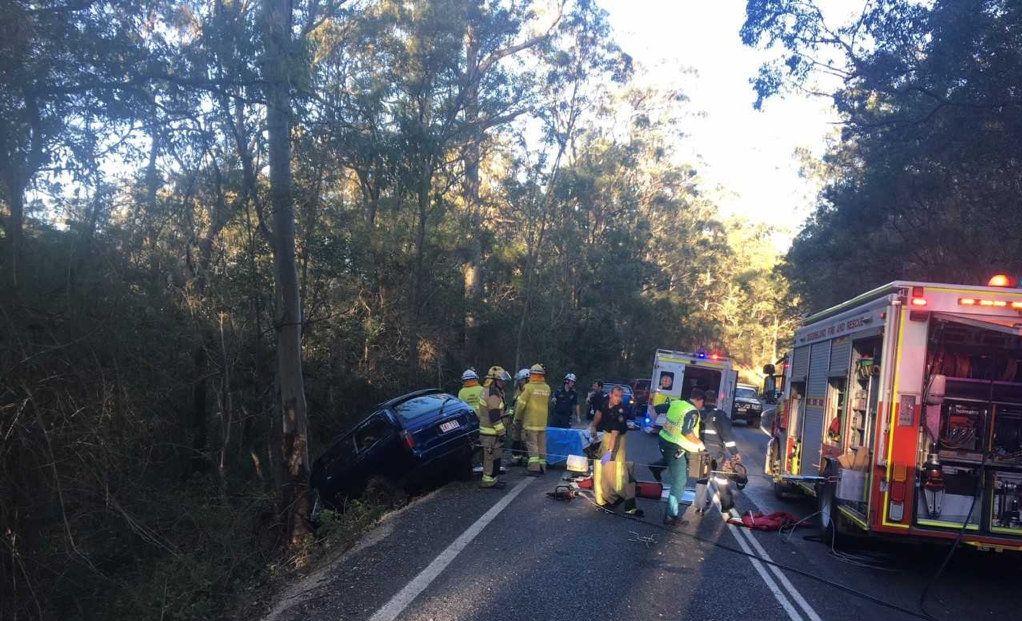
<point x="289" y="325"/>
<point x="415" y="299"/>
<point x="472" y="269"/>
<point x="15" y="227"/>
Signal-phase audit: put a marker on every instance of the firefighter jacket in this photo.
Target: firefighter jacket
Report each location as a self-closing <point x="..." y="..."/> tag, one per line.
<point x="716" y="433"/>
<point x="533" y="405"/>
<point x="494" y="409"/>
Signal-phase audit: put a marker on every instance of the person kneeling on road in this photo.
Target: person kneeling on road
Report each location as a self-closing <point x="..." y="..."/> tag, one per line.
<point x="491" y="427"/>
<point x="613" y="475"/>
<point x="679" y="444"/>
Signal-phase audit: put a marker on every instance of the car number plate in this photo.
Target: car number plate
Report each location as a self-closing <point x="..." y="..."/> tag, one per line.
<point x="449" y="425"/>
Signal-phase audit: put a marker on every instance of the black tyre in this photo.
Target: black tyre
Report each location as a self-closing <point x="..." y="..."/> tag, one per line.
<point x="385" y="492"/>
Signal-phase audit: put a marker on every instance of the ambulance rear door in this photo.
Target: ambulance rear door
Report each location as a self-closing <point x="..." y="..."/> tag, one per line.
<point x="728" y="382"/>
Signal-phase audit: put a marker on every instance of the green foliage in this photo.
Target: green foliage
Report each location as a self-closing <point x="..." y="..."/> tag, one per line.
<point x="924" y="181"/>
<point x="140" y="449"/>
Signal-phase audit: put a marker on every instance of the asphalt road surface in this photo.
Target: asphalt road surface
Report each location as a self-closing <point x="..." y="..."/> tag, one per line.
<point x="469" y="554"/>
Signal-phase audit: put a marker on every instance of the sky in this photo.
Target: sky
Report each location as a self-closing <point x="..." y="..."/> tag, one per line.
<point x="746" y="158"/>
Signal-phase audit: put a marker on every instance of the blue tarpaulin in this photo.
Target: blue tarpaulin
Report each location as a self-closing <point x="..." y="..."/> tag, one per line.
<point x="563" y="442"/>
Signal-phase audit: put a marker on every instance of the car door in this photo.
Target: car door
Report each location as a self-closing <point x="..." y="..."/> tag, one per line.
<point x="374" y="440"/>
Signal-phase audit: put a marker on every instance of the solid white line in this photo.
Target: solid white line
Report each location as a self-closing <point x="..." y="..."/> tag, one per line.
<point x="397" y="604"/>
<point x="783" y="579"/>
<point x="778" y="594"/>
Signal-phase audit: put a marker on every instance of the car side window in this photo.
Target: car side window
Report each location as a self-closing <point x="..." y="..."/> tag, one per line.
<point x="371" y="432"/>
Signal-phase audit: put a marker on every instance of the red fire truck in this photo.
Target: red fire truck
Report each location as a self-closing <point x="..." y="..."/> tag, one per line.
<point x="902" y="414"/>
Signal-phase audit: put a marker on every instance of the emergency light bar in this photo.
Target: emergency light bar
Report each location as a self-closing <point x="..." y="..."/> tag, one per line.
<point x="989" y="303"/>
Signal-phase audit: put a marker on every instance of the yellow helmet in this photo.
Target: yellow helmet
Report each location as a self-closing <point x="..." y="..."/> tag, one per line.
<point x="537" y="369"/>
<point x="497" y="372"/>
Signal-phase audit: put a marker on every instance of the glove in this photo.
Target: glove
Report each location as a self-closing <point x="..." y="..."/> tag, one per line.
<point x="606" y="458"/>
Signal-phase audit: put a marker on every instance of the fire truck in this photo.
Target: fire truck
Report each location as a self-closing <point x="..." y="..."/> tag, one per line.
<point x="676" y="373"/>
<point x="902" y="414"/>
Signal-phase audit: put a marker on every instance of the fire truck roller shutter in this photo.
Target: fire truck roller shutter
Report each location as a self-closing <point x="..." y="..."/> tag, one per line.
<point x="840" y="356"/>
<point x="799" y="364"/>
<point x="816" y="395"/>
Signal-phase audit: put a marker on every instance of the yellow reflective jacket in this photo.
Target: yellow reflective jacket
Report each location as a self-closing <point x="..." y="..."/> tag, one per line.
<point x="533" y="405"/>
<point x="474" y="395"/>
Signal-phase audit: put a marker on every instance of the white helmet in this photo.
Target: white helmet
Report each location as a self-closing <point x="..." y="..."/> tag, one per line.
<point x="570" y="377"/>
<point x="522" y="375"/>
<point x="469" y="374"/>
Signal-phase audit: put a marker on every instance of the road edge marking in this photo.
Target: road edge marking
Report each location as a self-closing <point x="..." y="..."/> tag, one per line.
<point x="776" y="590"/>
<point x="397" y="604"/>
<point x="783" y="579"/>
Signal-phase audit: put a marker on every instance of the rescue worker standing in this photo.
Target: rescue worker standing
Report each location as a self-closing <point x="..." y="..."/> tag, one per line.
<point x="613" y="475"/>
<point x="472" y="393"/>
<point x="518" y="452"/>
<point x="718" y="438"/>
<point x="679" y="440"/>
<point x="532" y="408"/>
<point x="491" y="427"/>
<point x="565" y="403"/>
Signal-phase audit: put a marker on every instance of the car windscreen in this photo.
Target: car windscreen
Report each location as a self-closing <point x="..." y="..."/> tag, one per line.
<point x="745" y="393"/>
<point x="626" y="389"/>
<point x="421" y="406"/>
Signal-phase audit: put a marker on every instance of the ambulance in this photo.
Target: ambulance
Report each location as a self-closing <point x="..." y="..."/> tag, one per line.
<point x="676" y="373"/>
<point x="902" y="414"/>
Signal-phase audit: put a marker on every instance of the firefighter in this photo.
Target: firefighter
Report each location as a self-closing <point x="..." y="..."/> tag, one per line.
<point x="518" y="452"/>
<point x="532" y="408"/>
<point x="492" y="432"/>
<point x="679" y="444"/>
<point x="719" y="441"/>
<point x="613" y="475"/>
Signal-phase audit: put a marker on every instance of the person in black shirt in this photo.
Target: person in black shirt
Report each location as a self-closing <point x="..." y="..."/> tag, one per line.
<point x="613" y="475"/>
<point x="595" y="400"/>
<point x="565" y="400"/>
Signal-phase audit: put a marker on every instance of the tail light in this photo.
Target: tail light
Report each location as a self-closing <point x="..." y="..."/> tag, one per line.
<point x="918" y="298"/>
<point x="408" y="440"/>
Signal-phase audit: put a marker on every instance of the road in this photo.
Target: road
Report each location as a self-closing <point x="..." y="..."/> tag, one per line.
<point x="461" y="553"/>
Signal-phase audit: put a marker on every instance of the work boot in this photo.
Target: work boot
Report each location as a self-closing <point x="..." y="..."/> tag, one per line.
<point x="493" y="485"/>
<point x="672" y="522"/>
<point x="635" y="512"/>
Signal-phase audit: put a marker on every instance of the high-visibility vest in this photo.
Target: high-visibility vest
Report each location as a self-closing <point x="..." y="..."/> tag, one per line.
<point x="473" y="395"/>
<point x="533" y="406"/>
<point x="672" y="426"/>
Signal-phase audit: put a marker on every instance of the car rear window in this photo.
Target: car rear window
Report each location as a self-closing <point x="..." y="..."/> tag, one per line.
<point x="745" y="393"/>
<point x="420" y="406"/>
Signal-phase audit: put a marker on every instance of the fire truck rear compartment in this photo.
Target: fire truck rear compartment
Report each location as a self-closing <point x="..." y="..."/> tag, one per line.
<point x="971" y="454"/>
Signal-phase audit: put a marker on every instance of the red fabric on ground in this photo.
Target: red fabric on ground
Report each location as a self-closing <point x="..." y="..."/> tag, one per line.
<point x="769" y="522"/>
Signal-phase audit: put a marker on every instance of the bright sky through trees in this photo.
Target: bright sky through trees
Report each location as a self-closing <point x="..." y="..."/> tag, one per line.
<point x="748" y="155"/>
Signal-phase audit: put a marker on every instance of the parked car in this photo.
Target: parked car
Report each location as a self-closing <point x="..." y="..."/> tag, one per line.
<point x="640" y="390"/>
<point x="747" y="407"/>
<point x="405" y="442"/>
<point x="627" y="398"/>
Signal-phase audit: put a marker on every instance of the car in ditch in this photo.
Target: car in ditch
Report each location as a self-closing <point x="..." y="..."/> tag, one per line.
<point x="748" y="406"/>
<point x="406" y="442"/>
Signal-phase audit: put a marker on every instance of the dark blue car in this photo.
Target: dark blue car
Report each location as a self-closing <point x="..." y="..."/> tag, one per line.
<point x="405" y="442"/>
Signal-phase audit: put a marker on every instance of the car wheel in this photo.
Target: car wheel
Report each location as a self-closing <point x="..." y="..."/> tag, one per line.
<point x="385" y="492"/>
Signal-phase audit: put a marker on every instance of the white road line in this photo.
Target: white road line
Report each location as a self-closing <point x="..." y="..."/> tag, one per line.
<point x="776" y="590"/>
<point x="783" y="579"/>
<point x="397" y="604"/>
